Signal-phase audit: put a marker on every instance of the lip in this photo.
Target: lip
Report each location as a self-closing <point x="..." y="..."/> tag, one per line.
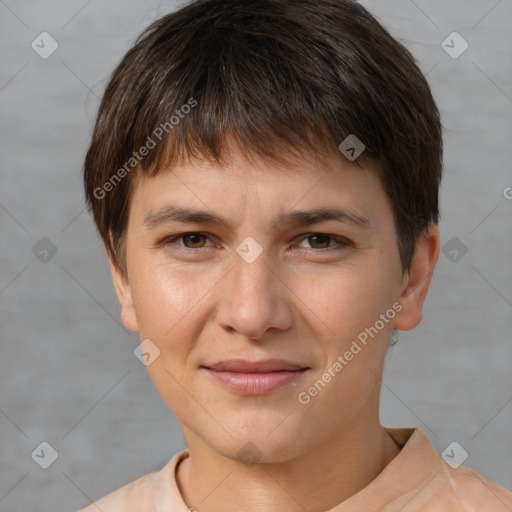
<point x="263" y="366"/>
<point x="255" y="383"/>
<point x="255" y="378"/>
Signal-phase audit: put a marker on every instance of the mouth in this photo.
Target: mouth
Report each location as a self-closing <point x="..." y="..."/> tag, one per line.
<point x="255" y="378"/>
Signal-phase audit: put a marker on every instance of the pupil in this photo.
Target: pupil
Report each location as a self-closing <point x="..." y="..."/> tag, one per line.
<point x="194" y="239"/>
<point x="324" y="237"/>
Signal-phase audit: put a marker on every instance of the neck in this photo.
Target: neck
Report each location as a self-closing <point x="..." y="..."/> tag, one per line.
<point x="316" y="480"/>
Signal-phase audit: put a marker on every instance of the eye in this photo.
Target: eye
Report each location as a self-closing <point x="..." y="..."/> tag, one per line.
<point x="317" y="241"/>
<point x="323" y="241"/>
<point x="190" y="240"/>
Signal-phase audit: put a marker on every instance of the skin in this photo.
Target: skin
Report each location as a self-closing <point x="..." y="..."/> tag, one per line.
<point x="199" y="302"/>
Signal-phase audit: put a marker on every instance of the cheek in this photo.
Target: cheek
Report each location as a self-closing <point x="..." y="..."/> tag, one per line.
<point x="345" y="307"/>
<point x="346" y="300"/>
<point x="165" y="299"/>
<point x="168" y="305"/>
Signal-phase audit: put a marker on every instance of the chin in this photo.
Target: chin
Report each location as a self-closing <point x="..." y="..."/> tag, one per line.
<point x="264" y="445"/>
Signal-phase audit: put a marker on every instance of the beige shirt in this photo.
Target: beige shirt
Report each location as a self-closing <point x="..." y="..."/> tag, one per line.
<point x="416" y="480"/>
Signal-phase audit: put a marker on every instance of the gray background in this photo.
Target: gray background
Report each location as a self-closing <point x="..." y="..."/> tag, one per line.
<point x="67" y="371"/>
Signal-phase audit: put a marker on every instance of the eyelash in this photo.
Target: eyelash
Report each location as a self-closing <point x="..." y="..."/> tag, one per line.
<point x="341" y="241"/>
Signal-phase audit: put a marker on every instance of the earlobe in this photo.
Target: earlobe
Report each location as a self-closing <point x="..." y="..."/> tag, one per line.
<point x="124" y="295"/>
<point x="417" y="281"/>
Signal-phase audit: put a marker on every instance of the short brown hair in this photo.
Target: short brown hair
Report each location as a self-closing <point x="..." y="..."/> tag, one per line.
<point x="298" y="74"/>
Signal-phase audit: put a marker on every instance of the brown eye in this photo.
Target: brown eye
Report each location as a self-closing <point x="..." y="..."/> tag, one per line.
<point x="187" y="243"/>
<point x="319" y="241"/>
<point x="323" y="242"/>
<point x="196" y="240"/>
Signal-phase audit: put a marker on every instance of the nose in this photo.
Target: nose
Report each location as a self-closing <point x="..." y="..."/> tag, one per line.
<point x="255" y="298"/>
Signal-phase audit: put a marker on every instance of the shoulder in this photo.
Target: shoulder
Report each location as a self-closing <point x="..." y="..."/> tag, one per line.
<point x="471" y="491"/>
<point x="457" y="490"/>
<point x="424" y="482"/>
<point x="137" y="496"/>
<point x="154" y="492"/>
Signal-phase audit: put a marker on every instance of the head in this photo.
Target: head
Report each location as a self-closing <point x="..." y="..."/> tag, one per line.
<point x="238" y="109"/>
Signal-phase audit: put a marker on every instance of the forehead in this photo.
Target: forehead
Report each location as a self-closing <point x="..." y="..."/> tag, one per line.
<point x="239" y="165"/>
<point x="246" y="185"/>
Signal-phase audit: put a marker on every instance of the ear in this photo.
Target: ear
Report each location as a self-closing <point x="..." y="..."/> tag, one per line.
<point x="417" y="281"/>
<point x="124" y="294"/>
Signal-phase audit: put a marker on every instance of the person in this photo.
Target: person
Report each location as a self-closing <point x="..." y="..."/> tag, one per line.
<point x="264" y="175"/>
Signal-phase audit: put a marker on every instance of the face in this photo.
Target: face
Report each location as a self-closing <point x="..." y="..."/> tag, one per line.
<point x="297" y="263"/>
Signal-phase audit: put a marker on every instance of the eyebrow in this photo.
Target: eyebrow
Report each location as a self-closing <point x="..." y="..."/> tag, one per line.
<point x="168" y="214"/>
